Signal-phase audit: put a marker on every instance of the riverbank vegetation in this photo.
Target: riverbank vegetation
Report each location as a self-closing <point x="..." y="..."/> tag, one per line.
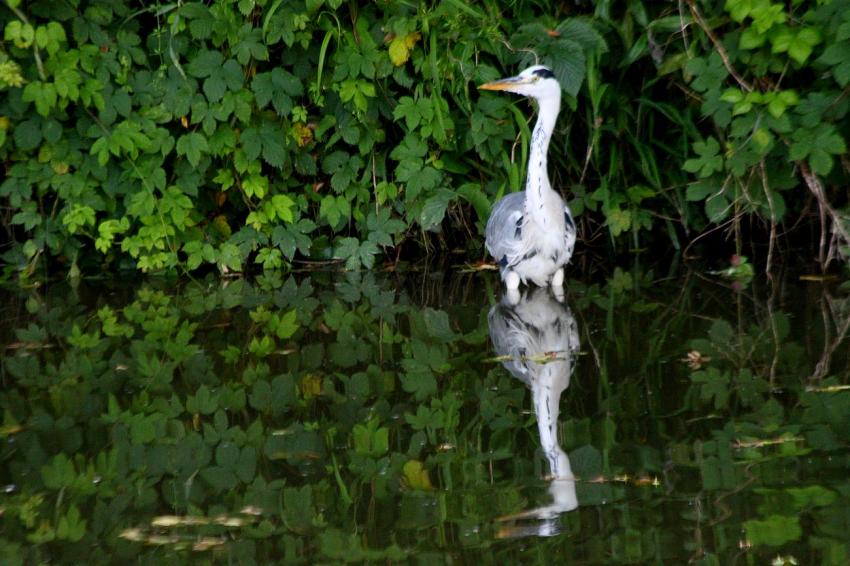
<point x="246" y="135"/>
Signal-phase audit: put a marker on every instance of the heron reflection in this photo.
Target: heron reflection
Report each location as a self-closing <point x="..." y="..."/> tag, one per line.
<point x="536" y="336"/>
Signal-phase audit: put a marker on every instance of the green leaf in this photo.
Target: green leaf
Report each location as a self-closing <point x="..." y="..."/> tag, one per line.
<point x="382" y="227"/>
<point x="837" y="55"/>
<point x="192" y="145"/>
<point x="751" y="39"/>
<point x="250" y="45"/>
<point x="618" y="220"/>
<point x="400" y="46"/>
<point x="717" y="208"/>
<point x="799" y="51"/>
<point x="335" y="209"/>
<point x="435" y="207"/>
<point x="42" y="94"/>
<point x="356" y="253"/>
<point x="708" y="72"/>
<point x="708" y="161"/>
<point x="343" y="169"/>
<point x="205" y="64"/>
<point x="28" y="134"/>
<point x="413" y="111"/>
<point x="473" y="194"/>
<point x="732" y="95"/>
<point x="818" y="144"/>
<point x="283" y="206"/>
<point x="278" y="87"/>
<point x="428" y="178"/>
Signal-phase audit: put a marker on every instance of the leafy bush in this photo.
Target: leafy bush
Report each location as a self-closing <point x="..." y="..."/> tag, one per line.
<point x="235" y="132"/>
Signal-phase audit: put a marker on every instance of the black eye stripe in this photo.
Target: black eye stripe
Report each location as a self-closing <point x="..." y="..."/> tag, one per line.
<point x="544" y="73"/>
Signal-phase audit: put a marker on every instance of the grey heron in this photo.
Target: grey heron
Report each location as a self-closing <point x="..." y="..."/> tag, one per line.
<point x="539" y="335"/>
<point x="531" y="233"/>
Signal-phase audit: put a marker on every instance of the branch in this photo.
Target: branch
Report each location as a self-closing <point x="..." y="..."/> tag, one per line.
<point x="717" y="45"/>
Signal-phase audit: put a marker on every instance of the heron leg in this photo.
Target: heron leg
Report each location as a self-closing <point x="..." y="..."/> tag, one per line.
<point x="512" y="280"/>
<point x="558" y="278"/>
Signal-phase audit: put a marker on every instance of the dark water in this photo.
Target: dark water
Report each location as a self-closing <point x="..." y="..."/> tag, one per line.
<point x="645" y="418"/>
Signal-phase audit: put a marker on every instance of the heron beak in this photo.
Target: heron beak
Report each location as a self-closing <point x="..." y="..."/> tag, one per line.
<point x="504" y="84"/>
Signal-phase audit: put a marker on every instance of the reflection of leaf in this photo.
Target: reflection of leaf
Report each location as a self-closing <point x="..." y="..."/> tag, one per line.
<point x="713" y="384"/>
<point x="370" y="439"/>
<point x="416" y="475"/>
<point x="294" y="444"/>
<point x="421" y="383"/>
<point x="219" y="477"/>
<point x="438" y="325"/>
<point x="72" y="526"/>
<point x="775" y="530"/>
<point x="586" y="463"/>
<point x="298" y="506"/>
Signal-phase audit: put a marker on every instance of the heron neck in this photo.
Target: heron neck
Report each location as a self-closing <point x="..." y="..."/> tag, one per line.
<point x="538" y="179"/>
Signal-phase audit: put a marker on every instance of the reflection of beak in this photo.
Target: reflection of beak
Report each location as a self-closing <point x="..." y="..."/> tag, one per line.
<point x="504" y="84"/>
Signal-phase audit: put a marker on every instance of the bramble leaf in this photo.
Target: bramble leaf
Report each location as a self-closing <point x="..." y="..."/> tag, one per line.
<point x="708" y="161"/>
<point x="192" y="145"/>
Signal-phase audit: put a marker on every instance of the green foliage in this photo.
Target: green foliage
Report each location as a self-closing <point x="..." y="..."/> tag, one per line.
<point x="765" y="80"/>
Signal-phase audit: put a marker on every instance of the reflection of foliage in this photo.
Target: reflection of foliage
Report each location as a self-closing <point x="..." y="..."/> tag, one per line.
<point x="312" y="421"/>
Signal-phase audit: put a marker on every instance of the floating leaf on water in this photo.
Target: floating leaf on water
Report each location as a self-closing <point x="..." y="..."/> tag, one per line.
<point x="134" y="534"/>
<point x="828" y="388"/>
<point x="759" y="443"/>
<point x="206" y="543"/>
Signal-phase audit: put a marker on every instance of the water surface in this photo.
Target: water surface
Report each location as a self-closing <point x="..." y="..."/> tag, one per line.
<point x="644" y="418"/>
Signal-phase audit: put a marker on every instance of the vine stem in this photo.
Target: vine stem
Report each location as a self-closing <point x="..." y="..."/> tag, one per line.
<point x="772" y="245"/>
<point x="38" y="63"/>
<point x="838" y="228"/>
<point x="717" y="45"/>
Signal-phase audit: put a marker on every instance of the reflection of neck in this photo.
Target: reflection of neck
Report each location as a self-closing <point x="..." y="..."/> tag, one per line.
<point x="546" y="390"/>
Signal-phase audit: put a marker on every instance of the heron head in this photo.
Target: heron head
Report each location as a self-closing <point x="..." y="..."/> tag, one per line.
<point x="536" y="82"/>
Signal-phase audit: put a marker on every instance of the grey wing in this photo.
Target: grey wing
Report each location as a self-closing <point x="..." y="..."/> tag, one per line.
<point x="504" y="228"/>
